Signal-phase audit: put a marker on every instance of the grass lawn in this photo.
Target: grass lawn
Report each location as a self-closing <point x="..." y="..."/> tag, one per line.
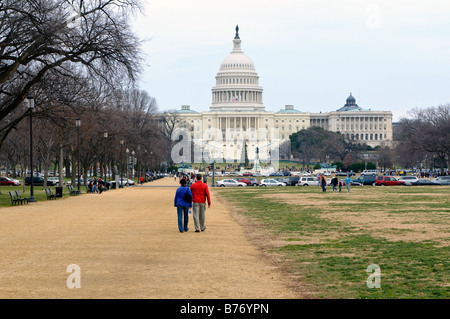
<point x="329" y="239"/>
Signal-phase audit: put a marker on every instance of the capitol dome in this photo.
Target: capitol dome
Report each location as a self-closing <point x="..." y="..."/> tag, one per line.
<point x="237" y="83"/>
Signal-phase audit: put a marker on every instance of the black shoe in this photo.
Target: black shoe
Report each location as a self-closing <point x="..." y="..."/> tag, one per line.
<point x="197" y="231"/>
<point x="203" y="229"/>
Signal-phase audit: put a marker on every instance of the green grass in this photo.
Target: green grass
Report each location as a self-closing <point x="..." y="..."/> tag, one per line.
<point x="331" y="239"/>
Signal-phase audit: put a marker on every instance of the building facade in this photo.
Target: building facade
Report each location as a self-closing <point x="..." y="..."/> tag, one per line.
<point x="238" y="120"/>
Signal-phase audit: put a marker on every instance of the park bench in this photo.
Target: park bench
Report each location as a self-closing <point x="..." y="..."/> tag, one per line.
<point x="71" y="190"/>
<point x="22" y="199"/>
<point x="14" y="199"/>
<point x="50" y="194"/>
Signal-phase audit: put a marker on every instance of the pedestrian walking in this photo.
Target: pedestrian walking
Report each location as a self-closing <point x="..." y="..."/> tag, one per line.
<point x="348" y="181"/>
<point x="200" y="195"/>
<point x="183" y="202"/>
<point x="94" y="186"/>
<point x="340" y="185"/>
<point x="323" y="182"/>
<point x="334" y="183"/>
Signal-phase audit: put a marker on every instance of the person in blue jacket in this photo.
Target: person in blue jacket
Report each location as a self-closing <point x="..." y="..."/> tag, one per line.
<point x="183" y="201"/>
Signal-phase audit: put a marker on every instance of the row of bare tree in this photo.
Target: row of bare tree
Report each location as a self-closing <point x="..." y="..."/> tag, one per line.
<point x="79" y="60"/>
<point x="424" y="137"/>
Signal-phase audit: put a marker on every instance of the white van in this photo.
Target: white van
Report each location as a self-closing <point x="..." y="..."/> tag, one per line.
<point x="369" y="172"/>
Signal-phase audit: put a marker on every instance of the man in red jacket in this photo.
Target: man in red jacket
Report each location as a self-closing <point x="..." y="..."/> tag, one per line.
<point x="200" y="193"/>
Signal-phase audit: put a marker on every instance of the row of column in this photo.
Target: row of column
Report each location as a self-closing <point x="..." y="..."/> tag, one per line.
<point x="237" y="96"/>
<point x="245" y="123"/>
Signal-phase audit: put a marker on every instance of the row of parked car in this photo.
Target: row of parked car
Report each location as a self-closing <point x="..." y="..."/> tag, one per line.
<point x="373" y="180"/>
<point x="410" y="180"/>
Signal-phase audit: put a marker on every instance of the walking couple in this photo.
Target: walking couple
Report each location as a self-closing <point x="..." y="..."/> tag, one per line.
<point x="194" y="197"/>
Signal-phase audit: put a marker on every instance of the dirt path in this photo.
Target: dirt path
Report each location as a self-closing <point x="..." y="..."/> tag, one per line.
<point x="127" y="245"/>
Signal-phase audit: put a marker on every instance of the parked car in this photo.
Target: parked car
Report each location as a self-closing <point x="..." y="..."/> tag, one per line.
<point x="409" y="179"/>
<point x="308" y="181"/>
<point x="388" y="181"/>
<point x="286" y="173"/>
<point x="365" y="180"/>
<point x="54" y="179"/>
<point x="282" y="180"/>
<point x="270" y="182"/>
<point x="123" y="182"/>
<point x="442" y="180"/>
<point x="354" y="183"/>
<point x="306" y="174"/>
<point x="293" y="180"/>
<point x="6" y="181"/>
<point x="243" y="180"/>
<point x="253" y="182"/>
<point x="369" y="172"/>
<point x="230" y="183"/>
<point x="38" y="181"/>
<point x="76" y="182"/>
<point x="424" y="182"/>
<point x="247" y="174"/>
<point x="276" y="174"/>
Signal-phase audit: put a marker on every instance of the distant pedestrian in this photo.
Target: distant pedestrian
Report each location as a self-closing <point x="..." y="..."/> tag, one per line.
<point x="348" y="182"/>
<point x="340" y="185"/>
<point x="94" y="185"/>
<point x="323" y="182"/>
<point x="183" y="201"/>
<point x="334" y="183"/>
<point x="100" y="185"/>
<point x="200" y="194"/>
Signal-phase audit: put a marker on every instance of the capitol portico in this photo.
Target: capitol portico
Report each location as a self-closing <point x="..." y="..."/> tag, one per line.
<point x="238" y="117"/>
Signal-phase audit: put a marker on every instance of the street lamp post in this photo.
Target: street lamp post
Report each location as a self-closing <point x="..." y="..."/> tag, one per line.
<point x="30" y="100"/>
<point x="78" y="125"/>
<point x="105" y="136"/>
<point x="138" y="163"/>
<point x="133" y="170"/>
<point x="121" y="163"/>
<point x="127" y="151"/>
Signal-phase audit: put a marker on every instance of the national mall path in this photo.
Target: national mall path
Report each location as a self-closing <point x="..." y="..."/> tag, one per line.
<point x="126" y="244"/>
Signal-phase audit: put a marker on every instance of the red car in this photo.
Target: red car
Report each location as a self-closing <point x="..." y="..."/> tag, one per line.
<point x="243" y="180"/>
<point x="388" y="181"/>
<point x="6" y="181"/>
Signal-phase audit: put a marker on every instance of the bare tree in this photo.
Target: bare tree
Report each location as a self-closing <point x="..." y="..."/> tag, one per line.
<point x="428" y="131"/>
<point x="39" y="36"/>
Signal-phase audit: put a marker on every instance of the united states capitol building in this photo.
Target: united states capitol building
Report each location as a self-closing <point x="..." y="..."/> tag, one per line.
<point x="237" y="118"/>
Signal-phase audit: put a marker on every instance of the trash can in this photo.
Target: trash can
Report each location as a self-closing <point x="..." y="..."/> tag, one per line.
<point x="58" y="191"/>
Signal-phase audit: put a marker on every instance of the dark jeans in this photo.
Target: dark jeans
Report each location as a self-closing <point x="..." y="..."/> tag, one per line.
<point x="183" y="210"/>
<point x="323" y="187"/>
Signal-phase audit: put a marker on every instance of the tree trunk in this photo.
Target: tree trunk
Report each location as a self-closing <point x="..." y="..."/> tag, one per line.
<point x="61" y="165"/>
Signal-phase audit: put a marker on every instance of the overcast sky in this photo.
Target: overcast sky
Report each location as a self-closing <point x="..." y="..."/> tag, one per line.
<point x="392" y="55"/>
